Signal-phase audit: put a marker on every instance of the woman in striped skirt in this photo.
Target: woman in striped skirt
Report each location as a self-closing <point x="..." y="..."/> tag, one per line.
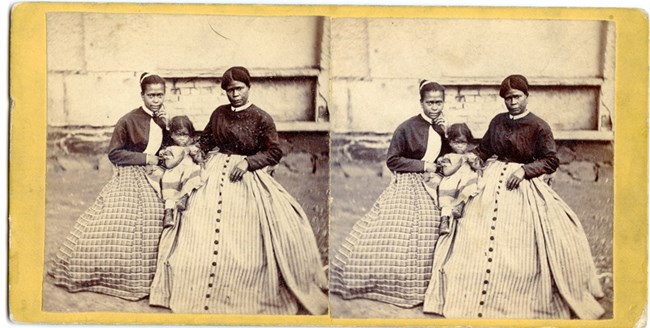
<point x="520" y="251"/>
<point x="388" y="254"/>
<point x="113" y="246"/>
<point x="244" y="245"/>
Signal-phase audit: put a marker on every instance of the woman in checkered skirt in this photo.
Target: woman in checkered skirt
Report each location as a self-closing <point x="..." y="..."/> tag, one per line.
<point x="112" y="248"/>
<point x="389" y="252"/>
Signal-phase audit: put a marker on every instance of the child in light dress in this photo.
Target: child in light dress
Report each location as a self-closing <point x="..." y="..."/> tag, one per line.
<point x="457" y="180"/>
<point x="179" y="174"/>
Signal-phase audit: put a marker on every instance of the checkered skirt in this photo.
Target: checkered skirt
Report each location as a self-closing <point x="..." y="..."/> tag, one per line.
<point x="389" y="252"/>
<point x="112" y="247"/>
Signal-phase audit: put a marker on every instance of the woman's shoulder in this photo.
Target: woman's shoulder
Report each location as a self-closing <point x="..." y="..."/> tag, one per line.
<point x="133" y="115"/>
<point x="538" y="121"/>
<point x="500" y="117"/>
<point x="412" y="123"/>
<point x="221" y="109"/>
<point x="260" y="113"/>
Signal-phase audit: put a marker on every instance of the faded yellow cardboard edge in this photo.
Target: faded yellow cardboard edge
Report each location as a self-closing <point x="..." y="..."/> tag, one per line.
<point x="28" y="76"/>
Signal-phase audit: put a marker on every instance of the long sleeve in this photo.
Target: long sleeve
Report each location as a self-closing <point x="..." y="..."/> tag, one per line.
<point x="118" y="148"/>
<point x="206" y="140"/>
<point x="270" y="152"/>
<point x="527" y="140"/>
<point x="396" y="160"/>
<point x="484" y="149"/>
<point x="546" y="160"/>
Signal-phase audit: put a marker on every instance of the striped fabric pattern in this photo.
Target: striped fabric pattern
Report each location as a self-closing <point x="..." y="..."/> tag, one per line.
<point x="112" y="248"/>
<point x="518" y="253"/>
<point x="180" y="181"/>
<point x="175" y="183"/>
<point x="243" y="248"/>
<point x="457" y="188"/>
<point x="389" y="252"/>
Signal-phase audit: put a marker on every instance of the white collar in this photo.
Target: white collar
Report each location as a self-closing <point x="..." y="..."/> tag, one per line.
<point x="147" y="110"/>
<point x="516" y="117"/>
<point x="240" y="108"/>
<point x="426" y="118"/>
<point x="150" y="112"/>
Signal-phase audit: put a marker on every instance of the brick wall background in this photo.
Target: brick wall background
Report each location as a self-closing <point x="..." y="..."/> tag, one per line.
<point x="95" y="61"/>
<point x="356" y="77"/>
<point x="377" y="64"/>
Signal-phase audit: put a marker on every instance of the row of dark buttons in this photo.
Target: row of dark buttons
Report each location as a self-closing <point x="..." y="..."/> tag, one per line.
<point x="217" y="230"/>
<point x="491" y="248"/>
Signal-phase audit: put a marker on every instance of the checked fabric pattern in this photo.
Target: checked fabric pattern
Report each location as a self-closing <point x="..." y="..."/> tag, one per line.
<point x="112" y="248"/>
<point x="389" y="252"/>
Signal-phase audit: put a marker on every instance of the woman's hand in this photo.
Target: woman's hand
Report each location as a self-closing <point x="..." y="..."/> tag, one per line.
<point x="196" y="154"/>
<point x="474" y="162"/>
<point x="440" y="120"/>
<point x="161" y="114"/>
<point x="238" y="171"/>
<point x="515" y="179"/>
<point x="430" y="167"/>
<point x="152" y="159"/>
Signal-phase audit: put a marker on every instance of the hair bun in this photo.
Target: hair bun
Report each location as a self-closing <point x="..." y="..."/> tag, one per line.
<point x="424" y="82"/>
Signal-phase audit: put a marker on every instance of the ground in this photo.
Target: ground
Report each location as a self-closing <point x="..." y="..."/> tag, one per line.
<point x="71" y="191"/>
<point x="356" y="186"/>
<point x="353" y="189"/>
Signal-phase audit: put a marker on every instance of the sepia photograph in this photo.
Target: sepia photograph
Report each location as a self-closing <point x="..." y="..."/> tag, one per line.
<point x="485" y="188"/>
<point x="327" y="165"/>
<point x="187" y="164"/>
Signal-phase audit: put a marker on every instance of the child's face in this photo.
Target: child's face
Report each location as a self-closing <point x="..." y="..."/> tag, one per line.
<point x="181" y="137"/>
<point x="458" y="145"/>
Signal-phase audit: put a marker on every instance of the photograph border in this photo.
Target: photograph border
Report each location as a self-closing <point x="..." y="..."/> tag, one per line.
<point x="28" y="92"/>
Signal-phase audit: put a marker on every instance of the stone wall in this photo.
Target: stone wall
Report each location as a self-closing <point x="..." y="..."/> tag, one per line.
<point x="363" y="154"/>
<point x="76" y="148"/>
<point x="95" y="61"/>
<point x="377" y="64"/>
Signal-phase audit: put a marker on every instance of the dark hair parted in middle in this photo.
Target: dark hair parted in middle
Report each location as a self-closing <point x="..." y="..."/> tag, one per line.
<point x="181" y="122"/>
<point x="426" y="86"/>
<point x="236" y="73"/>
<point x="457" y="130"/>
<point x="515" y="81"/>
<point x="150" y="78"/>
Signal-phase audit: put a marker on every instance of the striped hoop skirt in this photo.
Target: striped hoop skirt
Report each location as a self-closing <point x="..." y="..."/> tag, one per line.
<point x="518" y="253"/>
<point x="113" y="246"/>
<point x="242" y="247"/>
<point x="389" y="252"/>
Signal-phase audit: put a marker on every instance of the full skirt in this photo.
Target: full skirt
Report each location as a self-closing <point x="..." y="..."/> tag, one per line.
<point x="389" y="252"/>
<point x="242" y="247"/>
<point x="113" y="246"/>
<point x="518" y="253"/>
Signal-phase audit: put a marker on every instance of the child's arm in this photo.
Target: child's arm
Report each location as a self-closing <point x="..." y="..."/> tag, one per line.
<point x="474" y="162"/>
<point x="448" y="167"/>
<point x="197" y="154"/>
